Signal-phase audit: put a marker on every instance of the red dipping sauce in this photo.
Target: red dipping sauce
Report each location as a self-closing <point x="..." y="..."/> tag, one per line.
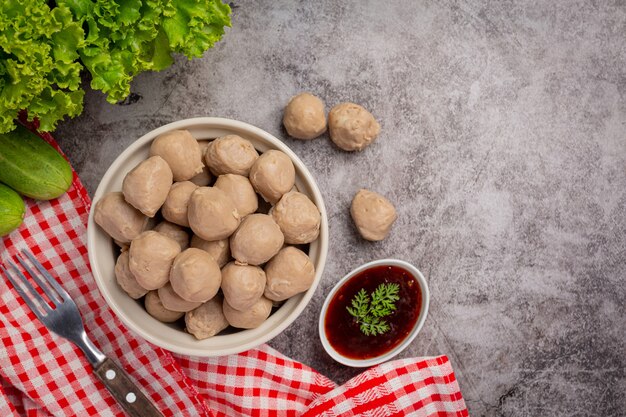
<point x="342" y="330"/>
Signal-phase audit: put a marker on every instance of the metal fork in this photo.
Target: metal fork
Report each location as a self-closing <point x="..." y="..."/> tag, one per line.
<point x="64" y="319"/>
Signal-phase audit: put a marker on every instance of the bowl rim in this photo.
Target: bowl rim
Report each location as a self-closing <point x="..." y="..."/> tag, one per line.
<point x="361" y="363"/>
<point x="216" y="123"/>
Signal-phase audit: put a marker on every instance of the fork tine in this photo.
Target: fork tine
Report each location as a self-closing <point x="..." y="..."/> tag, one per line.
<point x="56" y="299"/>
<point x="60" y="290"/>
<point x="28" y="299"/>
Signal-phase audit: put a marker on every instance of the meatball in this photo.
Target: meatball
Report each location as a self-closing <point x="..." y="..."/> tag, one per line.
<point x="175" y="302"/>
<point x="351" y="127"/>
<point x="212" y="214"/>
<point x="242" y="285"/>
<point x="299" y="219"/>
<point x="288" y="273"/>
<point x="146" y="186"/>
<point x="203" y="179"/>
<point x="195" y="275"/>
<point x="373" y="215"/>
<point x="203" y="144"/>
<point x="155" y="308"/>
<point x="181" y="152"/>
<point x="304" y="117"/>
<point x="125" y="278"/>
<point x="256" y="240"/>
<point x="175" y="207"/>
<point x="151" y="256"/>
<point x="239" y="189"/>
<point x="123" y="246"/>
<point x="272" y="175"/>
<point x="206" y="320"/>
<point x="175" y="232"/>
<point x="250" y="318"/>
<point x="119" y="219"/>
<point x="230" y="154"/>
<point x="218" y="249"/>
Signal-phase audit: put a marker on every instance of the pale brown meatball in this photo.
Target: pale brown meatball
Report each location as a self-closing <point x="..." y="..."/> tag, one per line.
<point x="298" y="218"/>
<point x="242" y="285"/>
<point x="125" y="278"/>
<point x="146" y="186"/>
<point x="250" y="318"/>
<point x="175" y="207"/>
<point x="175" y="302"/>
<point x="207" y="320"/>
<point x="155" y="308"/>
<point x="218" y="249"/>
<point x="351" y="127"/>
<point x="181" y="152"/>
<point x="195" y="275"/>
<point x="119" y="219"/>
<point x="288" y="273"/>
<point x="373" y="215"/>
<point x="230" y="154"/>
<point x="304" y="117"/>
<point x="272" y="175"/>
<point x="203" y="179"/>
<point x="123" y="246"/>
<point x="204" y="145"/>
<point x="256" y="240"/>
<point x="212" y="214"/>
<point x="151" y="256"/>
<point x="174" y="231"/>
<point x="239" y="189"/>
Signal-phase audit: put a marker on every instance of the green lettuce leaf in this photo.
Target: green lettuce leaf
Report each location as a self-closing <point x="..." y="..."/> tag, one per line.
<point x="44" y="50"/>
<point x="127" y="37"/>
<point x="38" y="67"/>
<point x="194" y="26"/>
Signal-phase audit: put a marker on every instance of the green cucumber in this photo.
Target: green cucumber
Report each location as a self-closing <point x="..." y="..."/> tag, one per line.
<point x="11" y="210"/>
<point x="32" y="167"/>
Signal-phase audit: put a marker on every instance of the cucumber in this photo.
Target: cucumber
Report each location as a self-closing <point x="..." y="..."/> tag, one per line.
<point x="11" y="210"/>
<point x="32" y="167"/>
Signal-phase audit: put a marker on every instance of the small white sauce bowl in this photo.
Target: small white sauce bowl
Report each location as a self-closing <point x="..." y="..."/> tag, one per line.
<point x="361" y="363"/>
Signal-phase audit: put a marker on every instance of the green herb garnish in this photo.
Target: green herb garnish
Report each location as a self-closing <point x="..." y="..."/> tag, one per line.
<point x="368" y="309"/>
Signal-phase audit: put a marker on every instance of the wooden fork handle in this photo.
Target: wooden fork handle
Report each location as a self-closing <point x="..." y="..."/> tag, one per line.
<point x="127" y="394"/>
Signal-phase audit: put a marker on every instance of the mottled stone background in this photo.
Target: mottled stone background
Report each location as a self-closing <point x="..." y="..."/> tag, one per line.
<point x="503" y="146"/>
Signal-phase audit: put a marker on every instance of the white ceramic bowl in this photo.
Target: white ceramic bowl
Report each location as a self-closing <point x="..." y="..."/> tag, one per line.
<point x="402" y="345"/>
<point x="102" y="252"/>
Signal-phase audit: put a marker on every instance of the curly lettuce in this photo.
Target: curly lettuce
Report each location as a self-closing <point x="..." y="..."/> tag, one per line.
<point x="39" y="71"/>
<point x="43" y="49"/>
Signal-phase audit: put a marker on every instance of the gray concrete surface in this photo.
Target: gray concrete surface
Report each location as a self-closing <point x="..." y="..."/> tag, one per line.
<point x="503" y="146"/>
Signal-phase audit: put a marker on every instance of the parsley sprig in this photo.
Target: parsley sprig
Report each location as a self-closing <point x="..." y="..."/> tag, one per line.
<point x="369" y="309"/>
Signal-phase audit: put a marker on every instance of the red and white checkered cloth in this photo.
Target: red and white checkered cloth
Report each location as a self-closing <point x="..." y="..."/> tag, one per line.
<point x="44" y="375"/>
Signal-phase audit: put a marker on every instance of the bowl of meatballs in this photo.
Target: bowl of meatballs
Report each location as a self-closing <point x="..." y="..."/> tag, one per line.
<point x="207" y="236"/>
